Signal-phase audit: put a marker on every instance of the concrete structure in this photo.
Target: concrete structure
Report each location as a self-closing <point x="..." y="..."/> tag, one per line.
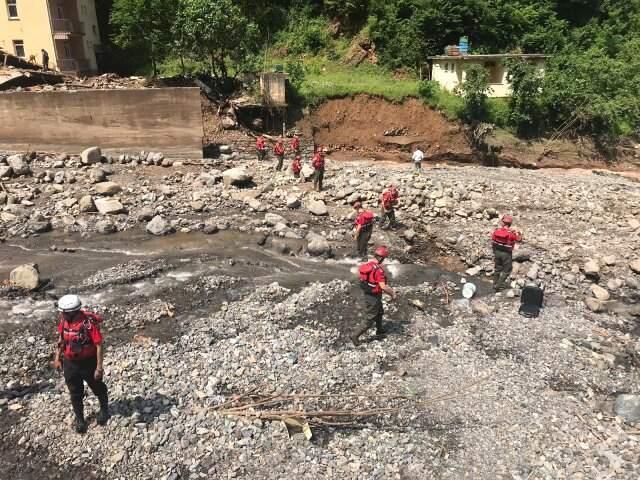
<point x="167" y="120"/>
<point x="450" y="71"/>
<point x="66" y="29"/>
<point x="273" y="88"/>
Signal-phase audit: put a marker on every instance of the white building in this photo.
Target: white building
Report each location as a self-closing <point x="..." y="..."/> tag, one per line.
<point x="450" y="71"/>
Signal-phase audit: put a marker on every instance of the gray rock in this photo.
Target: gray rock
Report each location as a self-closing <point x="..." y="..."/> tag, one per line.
<point x="91" y="156"/>
<point x="634" y="265"/>
<point x="97" y="175"/>
<point x="600" y="293"/>
<point x="317" y="207"/>
<point x="533" y="271"/>
<point x="19" y="165"/>
<point x="6" y="171"/>
<point x="409" y="235"/>
<point x="226" y="149"/>
<point x="167" y="162"/>
<point x="594" y="304"/>
<point x="627" y="406"/>
<point x="281" y="246"/>
<point x="197" y="205"/>
<point x="592" y="269"/>
<point x="610" y="260"/>
<point x="307" y="172"/>
<point x="159" y="226"/>
<point x="108" y="188"/>
<point x="210" y="226"/>
<point x="58" y="178"/>
<point x="614" y="284"/>
<point x="108" y="206"/>
<point x="237" y="176"/>
<point x="318" y="245"/>
<point x="293" y="201"/>
<point x="86" y="204"/>
<point x="272" y="219"/>
<point x="145" y="214"/>
<point x="40" y="226"/>
<point x="25" y="276"/>
<point x="106" y="227"/>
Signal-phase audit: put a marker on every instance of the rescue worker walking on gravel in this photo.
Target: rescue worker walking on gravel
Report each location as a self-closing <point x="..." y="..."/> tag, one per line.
<point x="503" y="240"/>
<point x="373" y="281"/>
<point x="295" y="145"/>
<point x="363" y="229"/>
<point x="261" y="147"/>
<point x="388" y="200"/>
<point x="278" y="151"/>
<point x="79" y="353"/>
<point x="318" y="166"/>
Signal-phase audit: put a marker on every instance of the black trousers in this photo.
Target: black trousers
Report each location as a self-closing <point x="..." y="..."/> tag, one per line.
<point x="388" y="214"/>
<point x="503" y="265"/>
<point x="374" y="312"/>
<point x="262" y="154"/>
<point x="317" y="179"/>
<point x="280" y="162"/>
<point x="76" y="372"/>
<point x="362" y="241"/>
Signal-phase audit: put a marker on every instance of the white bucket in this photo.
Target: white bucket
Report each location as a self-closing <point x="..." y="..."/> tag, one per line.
<point x="469" y="290"/>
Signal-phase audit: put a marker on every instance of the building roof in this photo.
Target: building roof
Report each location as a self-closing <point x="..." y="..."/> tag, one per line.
<point x="492" y="56"/>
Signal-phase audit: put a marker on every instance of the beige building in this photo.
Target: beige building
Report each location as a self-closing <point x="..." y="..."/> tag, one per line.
<point x="450" y="71"/>
<point x="66" y="29"/>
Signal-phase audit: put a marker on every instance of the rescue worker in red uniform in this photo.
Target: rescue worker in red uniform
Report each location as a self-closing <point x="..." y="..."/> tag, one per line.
<point x="389" y="200"/>
<point x="278" y="151"/>
<point x="296" y="166"/>
<point x="363" y="229"/>
<point x="79" y="352"/>
<point x="318" y="166"/>
<point x="503" y="240"/>
<point x="373" y="281"/>
<point x="261" y="147"/>
<point x="295" y="144"/>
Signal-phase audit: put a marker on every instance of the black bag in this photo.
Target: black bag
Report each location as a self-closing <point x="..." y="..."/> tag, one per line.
<point x="531" y="301"/>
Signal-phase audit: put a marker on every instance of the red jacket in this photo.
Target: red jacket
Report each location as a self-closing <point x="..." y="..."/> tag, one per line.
<point x="260" y="143"/>
<point x="296" y="166"/>
<point x="505" y="238"/>
<point x="389" y="198"/>
<point x="365" y="219"/>
<point x="373" y="274"/>
<point x="295" y="144"/>
<point x="81" y="336"/>
<point x="318" y="161"/>
<point x="278" y="149"/>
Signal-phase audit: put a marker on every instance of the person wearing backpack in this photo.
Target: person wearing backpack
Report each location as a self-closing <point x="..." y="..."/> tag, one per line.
<point x="503" y="240"/>
<point x="373" y="281"/>
<point x="278" y="151"/>
<point x="79" y="353"/>
<point x="318" y="166"/>
<point x="261" y="147"/>
<point x="364" y="229"/>
<point x="389" y="200"/>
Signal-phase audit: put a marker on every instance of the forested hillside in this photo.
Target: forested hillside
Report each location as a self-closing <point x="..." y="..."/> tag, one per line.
<point x="592" y="84"/>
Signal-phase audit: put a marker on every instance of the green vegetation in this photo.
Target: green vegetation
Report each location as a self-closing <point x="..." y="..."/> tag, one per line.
<point x="591" y="85"/>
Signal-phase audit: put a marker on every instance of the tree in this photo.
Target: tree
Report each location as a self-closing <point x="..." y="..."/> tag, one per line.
<point x="524" y="103"/>
<point x="219" y="31"/>
<point x="144" y="24"/>
<point x="475" y="90"/>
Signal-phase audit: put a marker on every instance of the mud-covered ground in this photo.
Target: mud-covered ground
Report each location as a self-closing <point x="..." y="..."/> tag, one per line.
<point x="193" y="318"/>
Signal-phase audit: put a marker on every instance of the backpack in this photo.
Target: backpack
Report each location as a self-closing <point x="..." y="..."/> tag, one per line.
<point x="531" y="301"/>
<point x="365" y="271"/>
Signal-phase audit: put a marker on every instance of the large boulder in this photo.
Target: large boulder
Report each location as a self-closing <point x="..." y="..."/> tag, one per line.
<point x="108" y="206"/>
<point x="600" y="293"/>
<point x="634" y="265"/>
<point x="6" y="171"/>
<point x="91" y="156"/>
<point x="318" y="245"/>
<point x="592" y="269"/>
<point x="19" y="165"/>
<point x="106" y="227"/>
<point x="237" y="176"/>
<point x="108" y="188"/>
<point x="293" y="201"/>
<point x="210" y="226"/>
<point x="627" y="406"/>
<point x="159" y="226"/>
<point x="97" y="175"/>
<point x="317" y="207"/>
<point x="25" y="276"/>
<point x="307" y="172"/>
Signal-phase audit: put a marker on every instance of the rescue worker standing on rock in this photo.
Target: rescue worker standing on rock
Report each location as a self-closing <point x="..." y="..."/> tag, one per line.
<point x="373" y="281"/>
<point x="388" y="200"/>
<point x="318" y="166"/>
<point x="79" y="353"/>
<point x="363" y="230"/>
<point x="261" y="147"/>
<point x="278" y="151"/>
<point x="503" y="240"/>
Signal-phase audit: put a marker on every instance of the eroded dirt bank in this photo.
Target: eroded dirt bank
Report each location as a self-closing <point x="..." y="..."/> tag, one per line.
<point x="233" y="301"/>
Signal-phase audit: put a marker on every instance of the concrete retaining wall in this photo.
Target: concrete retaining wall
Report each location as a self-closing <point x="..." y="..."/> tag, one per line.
<point x="167" y="120"/>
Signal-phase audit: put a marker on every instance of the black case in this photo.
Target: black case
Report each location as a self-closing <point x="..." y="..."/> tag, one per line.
<point x="531" y="301"/>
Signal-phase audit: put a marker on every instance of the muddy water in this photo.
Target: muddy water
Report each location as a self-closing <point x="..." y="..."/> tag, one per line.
<point x="185" y="258"/>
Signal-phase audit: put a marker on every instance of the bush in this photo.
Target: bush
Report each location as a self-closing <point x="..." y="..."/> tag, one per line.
<point x="428" y="89"/>
<point x="475" y="90"/>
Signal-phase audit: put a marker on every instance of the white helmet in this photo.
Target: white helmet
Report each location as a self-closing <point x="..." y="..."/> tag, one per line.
<point x="69" y="303"/>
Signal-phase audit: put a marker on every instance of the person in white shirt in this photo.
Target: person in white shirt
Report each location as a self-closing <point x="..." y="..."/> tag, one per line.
<point x="417" y="157"/>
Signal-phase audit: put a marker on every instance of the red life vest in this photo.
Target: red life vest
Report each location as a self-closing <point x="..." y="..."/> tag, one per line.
<point x="504" y="238"/>
<point x="278" y="149"/>
<point x="371" y="274"/>
<point x="81" y="336"/>
<point x="260" y="143"/>
<point x="296" y="166"/>
<point x="318" y="161"/>
<point x="365" y="219"/>
<point x="295" y="144"/>
<point x="389" y="198"/>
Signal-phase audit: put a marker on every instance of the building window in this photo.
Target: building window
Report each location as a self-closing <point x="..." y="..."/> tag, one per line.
<point x="12" y="7"/>
<point x="18" y="48"/>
